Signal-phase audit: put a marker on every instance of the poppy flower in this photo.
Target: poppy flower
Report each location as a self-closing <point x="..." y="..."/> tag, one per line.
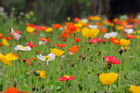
<point x="74" y="49"/>
<point x="65" y="35"/>
<point x="27" y="61"/>
<point x="18" y="31"/>
<point x="128" y="26"/>
<point x="124" y="42"/>
<point x="66" y="78"/>
<point x="61" y="45"/>
<point x="76" y="19"/>
<point x="77" y="40"/>
<point x="49" y="57"/>
<point x="49" y="29"/>
<point x="108" y="78"/>
<point x="134" y="89"/>
<point x="90" y="33"/>
<point x="45" y="39"/>
<point x="34" y="59"/>
<point x="4" y="41"/>
<point x="103" y="30"/>
<point x="30" y="28"/>
<point x="20" y="47"/>
<point x="30" y="44"/>
<point x="71" y="27"/>
<point x="111" y="34"/>
<point x="57" y="26"/>
<point x="130" y="36"/>
<point x="129" y="31"/>
<point x="57" y="52"/>
<point x="112" y="59"/>
<point x="94" y="41"/>
<point x="114" y="40"/>
<point x="102" y="40"/>
<point x="14" y="90"/>
<point x="7" y="58"/>
<point x="40" y="73"/>
<point x="8" y="38"/>
<point x="1" y="36"/>
<point x="1" y="44"/>
<point x="14" y="34"/>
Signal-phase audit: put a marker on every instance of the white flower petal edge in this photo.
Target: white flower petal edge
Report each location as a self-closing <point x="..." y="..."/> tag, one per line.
<point x="20" y="47"/>
<point x="112" y="34"/>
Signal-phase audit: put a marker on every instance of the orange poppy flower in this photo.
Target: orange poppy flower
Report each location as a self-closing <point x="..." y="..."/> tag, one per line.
<point x="61" y="45"/>
<point x="34" y="59"/>
<point x="1" y="44"/>
<point x="74" y="49"/>
<point x="103" y="30"/>
<point x="57" y="26"/>
<point x="64" y="35"/>
<point x="115" y="41"/>
<point x="14" y="90"/>
<point x="1" y="36"/>
<point x="71" y="26"/>
<point x="77" y="40"/>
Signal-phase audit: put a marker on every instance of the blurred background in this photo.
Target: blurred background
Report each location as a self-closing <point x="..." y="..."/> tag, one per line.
<point x="57" y="11"/>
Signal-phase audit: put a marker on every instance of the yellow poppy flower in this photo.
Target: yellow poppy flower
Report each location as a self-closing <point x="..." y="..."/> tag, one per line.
<point x="137" y="36"/>
<point x="134" y="89"/>
<point x="7" y="58"/>
<point x="49" y="29"/>
<point x="57" y="52"/>
<point x="30" y="29"/>
<point x="4" y="41"/>
<point x="108" y="78"/>
<point x="41" y="73"/>
<point x="90" y="33"/>
<point x="138" y="31"/>
<point x="119" y="27"/>
<point x="124" y="42"/>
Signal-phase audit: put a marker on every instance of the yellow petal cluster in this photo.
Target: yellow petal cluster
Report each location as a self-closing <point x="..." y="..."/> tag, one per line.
<point x="42" y="73"/>
<point x="90" y="33"/>
<point x="134" y="89"/>
<point x="7" y="58"/>
<point x="49" y="29"/>
<point x="108" y="78"/>
<point x="29" y="29"/>
<point x="57" y="52"/>
<point x="4" y="41"/>
<point x="124" y="42"/>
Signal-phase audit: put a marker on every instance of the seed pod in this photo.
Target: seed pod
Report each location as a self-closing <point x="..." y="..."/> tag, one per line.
<point x="15" y="82"/>
<point x="109" y="65"/>
<point x="72" y="64"/>
<point x="120" y="51"/>
<point x="99" y="53"/>
<point x="36" y="73"/>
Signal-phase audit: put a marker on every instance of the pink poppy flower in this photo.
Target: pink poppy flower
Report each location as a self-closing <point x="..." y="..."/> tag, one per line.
<point x="66" y="78"/>
<point x="43" y="39"/>
<point x="14" y="34"/>
<point x="102" y="40"/>
<point x="111" y="59"/>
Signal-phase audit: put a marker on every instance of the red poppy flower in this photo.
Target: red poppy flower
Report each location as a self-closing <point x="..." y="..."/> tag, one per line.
<point x="102" y="40"/>
<point x="64" y="35"/>
<point x="18" y="31"/>
<point x="1" y="44"/>
<point x="61" y="45"/>
<point x="8" y="38"/>
<point x="74" y="49"/>
<point x="27" y="61"/>
<point x="30" y="44"/>
<point x="103" y="30"/>
<point x="112" y="59"/>
<point x="66" y="78"/>
<point x="77" y="40"/>
<point x="1" y="36"/>
<point x="57" y="26"/>
<point x="130" y="36"/>
<point x="32" y="25"/>
<point x="76" y="19"/>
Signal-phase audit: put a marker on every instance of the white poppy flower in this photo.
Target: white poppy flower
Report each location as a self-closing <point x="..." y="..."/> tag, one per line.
<point x="20" y="47"/>
<point x="41" y="43"/>
<point x="85" y="20"/>
<point x="111" y="34"/>
<point x="49" y="57"/>
<point x="92" y="26"/>
<point x="129" y="31"/>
